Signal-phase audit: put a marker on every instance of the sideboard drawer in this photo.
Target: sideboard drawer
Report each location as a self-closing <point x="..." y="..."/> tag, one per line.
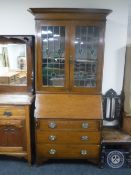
<point x="68" y="151"/>
<point x="68" y="137"/>
<point x="83" y="125"/>
<point x="16" y="123"/>
<point x="12" y="112"/>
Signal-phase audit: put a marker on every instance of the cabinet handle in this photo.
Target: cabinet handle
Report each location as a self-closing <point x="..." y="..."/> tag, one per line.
<point x="52" y="151"/>
<point x="83" y="152"/>
<point x="84" y="138"/>
<point x="52" y="125"/>
<point x="12" y="129"/>
<point x="85" y="125"/>
<point x="6" y="129"/>
<point x="52" y="137"/>
<point x="7" y="113"/>
<point x="71" y="60"/>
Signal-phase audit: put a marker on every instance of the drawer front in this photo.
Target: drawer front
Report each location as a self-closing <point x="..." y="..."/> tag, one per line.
<point x="68" y="137"/>
<point x="12" y="112"/>
<point x="83" y="125"/>
<point x="68" y="151"/>
<point x="17" y="77"/>
<point x="16" y="123"/>
<point x="11" y="79"/>
<point x="4" y="80"/>
<point x="7" y="80"/>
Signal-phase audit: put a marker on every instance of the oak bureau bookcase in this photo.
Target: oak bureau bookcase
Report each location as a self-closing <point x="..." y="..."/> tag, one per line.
<point x="16" y="94"/>
<point x="69" y="61"/>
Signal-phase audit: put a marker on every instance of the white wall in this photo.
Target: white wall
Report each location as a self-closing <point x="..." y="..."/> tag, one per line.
<point x="15" y="19"/>
<point x="129" y="24"/>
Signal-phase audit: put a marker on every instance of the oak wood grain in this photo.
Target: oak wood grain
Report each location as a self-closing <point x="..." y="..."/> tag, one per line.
<point x="66" y="137"/>
<point x="68" y="106"/>
<point x="67" y="151"/>
<point x="64" y="124"/>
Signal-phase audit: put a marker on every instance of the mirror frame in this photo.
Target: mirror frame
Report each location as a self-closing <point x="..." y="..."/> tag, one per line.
<point x="29" y="40"/>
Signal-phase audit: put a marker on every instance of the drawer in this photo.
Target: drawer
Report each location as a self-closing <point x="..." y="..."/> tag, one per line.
<point x="12" y="112"/>
<point x="67" y="151"/>
<point x="7" y="80"/>
<point x="11" y="79"/>
<point x="68" y="137"/>
<point x="17" y="77"/>
<point x="16" y="123"/>
<point x="3" y="80"/>
<point x="83" y="125"/>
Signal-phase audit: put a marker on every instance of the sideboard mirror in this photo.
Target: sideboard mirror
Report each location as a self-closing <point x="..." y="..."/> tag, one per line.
<point x="16" y="63"/>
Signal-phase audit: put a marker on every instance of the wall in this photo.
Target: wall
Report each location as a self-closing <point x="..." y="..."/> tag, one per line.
<point x="127" y="78"/>
<point x="129" y="24"/>
<point x="15" y="19"/>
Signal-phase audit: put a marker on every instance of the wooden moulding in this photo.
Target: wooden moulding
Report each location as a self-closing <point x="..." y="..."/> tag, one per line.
<point x="69" y="13"/>
<point x="68" y="106"/>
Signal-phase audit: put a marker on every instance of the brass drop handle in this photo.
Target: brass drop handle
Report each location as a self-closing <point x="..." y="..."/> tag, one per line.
<point x="7" y="113"/>
<point x="83" y="152"/>
<point x="52" y="137"/>
<point x="52" y="125"/>
<point x="84" y="138"/>
<point x="52" y="151"/>
<point x="85" y="125"/>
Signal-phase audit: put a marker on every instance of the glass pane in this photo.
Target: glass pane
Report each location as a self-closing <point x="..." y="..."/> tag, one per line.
<point x="86" y="50"/>
<point x="13" y="65"/>
<point x="53" y="55"/>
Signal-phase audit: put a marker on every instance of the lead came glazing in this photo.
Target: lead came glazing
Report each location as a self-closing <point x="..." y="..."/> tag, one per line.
<point x="86" y="48"/>
<point x="53" y="55"/>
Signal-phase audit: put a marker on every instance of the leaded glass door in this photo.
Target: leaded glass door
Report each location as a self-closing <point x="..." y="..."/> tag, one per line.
<point x="53" y="55"/>
<point x="86" y="57"/>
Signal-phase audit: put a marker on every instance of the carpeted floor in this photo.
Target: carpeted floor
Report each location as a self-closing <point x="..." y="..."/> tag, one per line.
<point x="11" y="166"/>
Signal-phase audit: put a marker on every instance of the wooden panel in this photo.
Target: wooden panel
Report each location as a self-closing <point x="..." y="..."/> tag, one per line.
<point x="62" y="124"/>
<point x="3" y="136"/>
<point x="67" y="151"/>
<point x="28" y="133"/>
<point x="68" y="106"/>
<point x="68" y="137"/>
<point x="127" y="124"/>
<point x="16" y="137"/>
<point x="12" y="133"/>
